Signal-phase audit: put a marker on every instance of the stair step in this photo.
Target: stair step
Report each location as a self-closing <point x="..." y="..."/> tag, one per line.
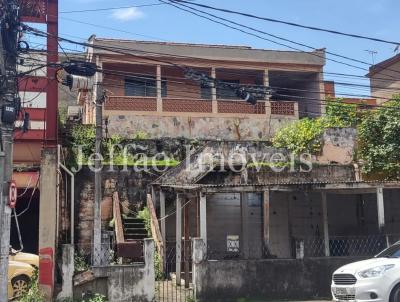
<point x="134" y="230"/>
<point x="135" y="224"/>
<point x="135" y="236"/>
<point x="133" y="220"/>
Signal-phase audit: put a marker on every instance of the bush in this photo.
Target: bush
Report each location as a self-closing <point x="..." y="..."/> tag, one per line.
<point x="305" y="135"/>
<point x="33" y="294"/>
<point x="301" y="136"/>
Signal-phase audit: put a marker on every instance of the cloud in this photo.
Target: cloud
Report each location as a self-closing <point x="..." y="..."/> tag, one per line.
<point x="127" y="14"/>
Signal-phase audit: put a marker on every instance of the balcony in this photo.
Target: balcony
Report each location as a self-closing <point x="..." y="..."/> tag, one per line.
<point x="148" y="105"/>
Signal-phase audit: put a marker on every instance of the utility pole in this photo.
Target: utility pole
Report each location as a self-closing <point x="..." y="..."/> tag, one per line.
<point x="97" y="238"/>
<point x="9" y="104"/>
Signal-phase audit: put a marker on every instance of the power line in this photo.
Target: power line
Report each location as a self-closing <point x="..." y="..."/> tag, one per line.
<point x="110" y="8"/>
<point x="336" y="32"/>
<point x="289" y="77"/>
<point x="191" y="57"/>
<point x="194" y="10"/>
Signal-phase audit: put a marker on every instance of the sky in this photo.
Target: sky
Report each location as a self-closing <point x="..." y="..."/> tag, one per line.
<point x="376" y="18"/>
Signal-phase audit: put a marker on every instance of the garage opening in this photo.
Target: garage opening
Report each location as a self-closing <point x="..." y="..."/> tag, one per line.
<point x="27" y="210"/>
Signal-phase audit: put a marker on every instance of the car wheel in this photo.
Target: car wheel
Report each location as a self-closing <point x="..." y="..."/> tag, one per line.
<point x="395" y="295"/>
<point x="20" y="285"/>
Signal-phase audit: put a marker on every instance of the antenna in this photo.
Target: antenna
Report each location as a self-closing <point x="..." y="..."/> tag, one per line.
<point x="372" y="53"/>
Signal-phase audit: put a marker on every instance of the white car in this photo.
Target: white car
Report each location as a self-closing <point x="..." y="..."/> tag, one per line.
<point x="373" y="280"/>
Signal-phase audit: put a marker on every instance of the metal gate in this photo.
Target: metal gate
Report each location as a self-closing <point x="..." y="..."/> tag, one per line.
<point x="168" y="286"/>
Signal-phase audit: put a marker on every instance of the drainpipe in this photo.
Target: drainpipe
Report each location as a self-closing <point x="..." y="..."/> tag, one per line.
<point x="72" y="184"/>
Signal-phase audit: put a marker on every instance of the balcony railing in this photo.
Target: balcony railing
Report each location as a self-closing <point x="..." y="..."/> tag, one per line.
<point x="181" y="105"/>
<point x="131" y="103"/>
<point x="228" y="106"/>
<point x="186" y="105"/>
<point x="283" y="108"/>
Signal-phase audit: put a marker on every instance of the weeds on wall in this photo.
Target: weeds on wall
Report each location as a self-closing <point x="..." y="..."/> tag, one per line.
<point x="305" y="135"/>
<point x="81" y="146"/>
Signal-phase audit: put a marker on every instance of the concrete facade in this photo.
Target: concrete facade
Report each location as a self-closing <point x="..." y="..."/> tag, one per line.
<point x="264" y="280"/>
<point x="123" y="283"/>
<point x="196" y="127"/>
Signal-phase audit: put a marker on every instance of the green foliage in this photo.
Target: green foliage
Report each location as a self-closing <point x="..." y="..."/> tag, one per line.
<point x="301" y="136"/>
<point x="145" y="215"/>
<point x="339" y="114"/>
<point x="140" y="135"/>
<point x="80" y="263"/>
<point x="33" y="294"/>
<point x="379" y="141"/>
<point x="305" y="135"/>
<point x="96" y="298"/>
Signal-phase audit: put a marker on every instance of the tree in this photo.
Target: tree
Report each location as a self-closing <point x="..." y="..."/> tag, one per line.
<point x="379" y="141"/>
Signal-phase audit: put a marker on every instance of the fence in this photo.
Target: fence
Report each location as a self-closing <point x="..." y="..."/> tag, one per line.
<point x="169" y="286"/>
<point x="341" y="246"/>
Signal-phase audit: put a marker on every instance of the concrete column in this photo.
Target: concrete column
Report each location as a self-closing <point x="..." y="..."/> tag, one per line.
<point x="159" y="88"/>
<point x="178" y="238"/>
<point x="148" y="251"/>
<point x="47" y="221"/>
<point x="67" y="270"/>
<point x="322" y="91"/>
<point x="325" y="223"/>
<point x="266" y="216"/>
<point x="162" y="215"/>
<point x="244" y="240"/>
<point x="381" y="208"/>
<point x="203" y="217"/>
<point x="214" y="92"/>
<point x="199" y="254"/>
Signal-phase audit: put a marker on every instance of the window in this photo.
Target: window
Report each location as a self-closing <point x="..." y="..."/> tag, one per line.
<point x="205" y="92"/>
<point x="227" y="93"/>
<point x="144" y="86"/>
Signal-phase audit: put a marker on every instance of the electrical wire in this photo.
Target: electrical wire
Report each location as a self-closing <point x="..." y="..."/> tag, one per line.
<point x="331" y="31"/>
<point x="112" y="49"/>
<point x="109" y="8"/>
<point x="275" y="36"/>
<point x="191" y="57"/>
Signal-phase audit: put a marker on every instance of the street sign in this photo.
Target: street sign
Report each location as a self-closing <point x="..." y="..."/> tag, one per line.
<point x="12" y="195"/>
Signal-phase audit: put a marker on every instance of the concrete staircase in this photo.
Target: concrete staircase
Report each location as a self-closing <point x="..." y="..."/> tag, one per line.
<point x="134" y="229"/>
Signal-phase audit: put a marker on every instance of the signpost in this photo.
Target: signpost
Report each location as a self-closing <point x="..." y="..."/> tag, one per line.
<point x="12" y="195"/>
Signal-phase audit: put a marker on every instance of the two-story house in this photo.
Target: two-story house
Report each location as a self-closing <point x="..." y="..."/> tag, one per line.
<point x="150" y="93"/>
<point x="384" y="79"/>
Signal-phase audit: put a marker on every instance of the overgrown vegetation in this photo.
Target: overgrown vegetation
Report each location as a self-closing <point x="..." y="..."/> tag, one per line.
<point x="305" y="135"/>
<point x="379" y="141"/>
<point x="89" y="298"/>
<point x="33" y="294"/>
<point x="80" y="263"/>
<point x="378" y="135"/>
<point x="82" y="147"/>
